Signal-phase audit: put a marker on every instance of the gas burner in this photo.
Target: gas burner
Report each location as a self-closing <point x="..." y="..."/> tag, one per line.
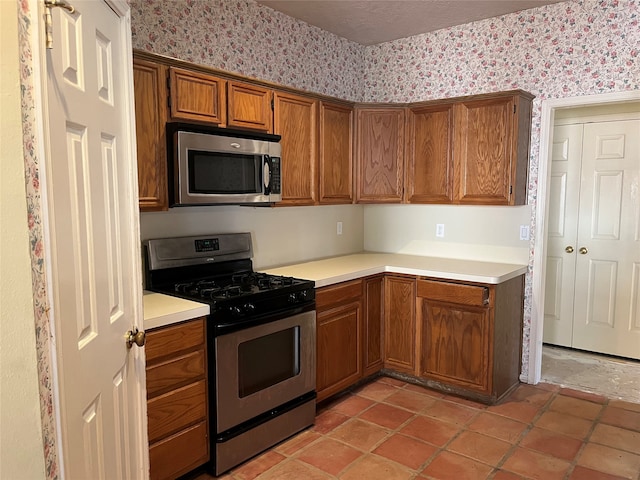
<point x="210" y="292"/>
<point x="205" y="284"/>
<point x="184" y="287"/>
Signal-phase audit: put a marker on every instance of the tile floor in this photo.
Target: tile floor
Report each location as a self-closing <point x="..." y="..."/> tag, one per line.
<point x="391" y="430"/>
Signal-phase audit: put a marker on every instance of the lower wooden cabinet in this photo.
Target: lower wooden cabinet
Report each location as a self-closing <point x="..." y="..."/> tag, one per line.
<point x="373" y="344"/>
<point x="400" y="323"/>
<point x="177" y="399"/>
<point x="471" y="336"/>
<point x="349" y="333"/>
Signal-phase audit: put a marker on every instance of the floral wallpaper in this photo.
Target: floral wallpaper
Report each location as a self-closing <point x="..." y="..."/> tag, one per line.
<point x="27" y="15"/>
<point x="243" y="37"/>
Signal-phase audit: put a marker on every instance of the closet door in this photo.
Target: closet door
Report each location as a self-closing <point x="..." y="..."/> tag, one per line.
<point x="564" y="195"/>
<point x="592" y="298"/>
<point x="606" y="314"/>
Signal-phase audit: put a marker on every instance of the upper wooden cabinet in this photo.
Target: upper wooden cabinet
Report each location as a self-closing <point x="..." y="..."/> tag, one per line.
<point x="296" y="120"/>
<point x="249" y="106"/>
<point x="491" y="149"/>
<point x="380" y="154"/>
<point x="336" y="153"/>
<point x="197" y="96"/>
<point x="429" y="154"/>
<point x="150" y="90"/>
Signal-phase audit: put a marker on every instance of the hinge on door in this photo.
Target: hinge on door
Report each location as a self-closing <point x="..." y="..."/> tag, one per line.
<point x="514" y="108"/>
<point x="272" y="104"/>
<point x="510" y="189"/>
<point x="48" y="23"/>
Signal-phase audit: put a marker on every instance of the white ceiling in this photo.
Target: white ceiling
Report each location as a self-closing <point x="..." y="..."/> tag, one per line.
<point x="377" y="21"/>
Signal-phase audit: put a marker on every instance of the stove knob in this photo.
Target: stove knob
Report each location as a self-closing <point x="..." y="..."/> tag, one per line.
<point x="235" y="311"/>
<point x="303" y="295"/>
<point x="293" y="298"/>
<point x="249" y="308"/>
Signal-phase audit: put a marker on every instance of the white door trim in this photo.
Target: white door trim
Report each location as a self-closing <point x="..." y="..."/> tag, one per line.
<point x="549" y="107"/>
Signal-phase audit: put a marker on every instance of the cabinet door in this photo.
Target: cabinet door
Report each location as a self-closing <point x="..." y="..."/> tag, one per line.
<point x="296" y="122"/>
<point x="455" y="344"/>
<point x="338" y="349"/>
<point x="249" y="106"/>
<point x="197" y="96"/>
<point x="429" y="173"/>
<point x="380" y="150"/>
<point x="486" y="151"/>
<point x="336" y="159"/>
<point x="400" y="323"/>
<point x="373" y="354"/>
<point x="150" y="91"/>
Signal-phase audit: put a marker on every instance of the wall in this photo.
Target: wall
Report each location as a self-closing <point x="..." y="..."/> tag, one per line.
<point x="280" y="235"/>
<point x="572" y="48"/>
<point x="490" y="234"/>
<point x="243" y="37"/>
<point x="21" y="455"/>
<point x="567" y="49"/>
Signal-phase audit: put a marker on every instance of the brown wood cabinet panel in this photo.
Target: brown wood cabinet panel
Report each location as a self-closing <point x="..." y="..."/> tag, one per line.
<point x="249" y="106"/>
<point x="429" y="172"/>
<point x="296" y="120"/>
<point x="507" y="335"/>
<point x="338" y="349"/>
<point x="175" y="373"/>
<point x="151" y="96"/>
<point x="328" y="297"/>
<point x="180" y="453"/>
<point x="455" y="344"/>
<point x="373" y="341"/>
<point x="400" y="323"/>
<point x="380" y="155"/>
<point x="197" y="96"/>
<point x="176" y="410"/>
<point x="463" y="294"/>
<point x="177" y="398"/>
<point x="336" y="154"/>
<point x="167" y="341"/>
<point x="492" y="149"/>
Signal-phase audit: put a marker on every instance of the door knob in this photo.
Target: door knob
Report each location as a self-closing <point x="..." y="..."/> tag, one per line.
<point x="135" y="336"/>
<point x="583" y="250"/>
<point x="569" y="249"/>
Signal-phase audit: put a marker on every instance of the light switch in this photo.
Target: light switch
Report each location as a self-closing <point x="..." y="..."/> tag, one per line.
<point x="339" y="228"/>
<point x="440" y="230"/>
<point x="524" y="232"/>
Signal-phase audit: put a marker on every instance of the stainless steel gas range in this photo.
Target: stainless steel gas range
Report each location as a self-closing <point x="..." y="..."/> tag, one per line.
<point x="260" y="339"/>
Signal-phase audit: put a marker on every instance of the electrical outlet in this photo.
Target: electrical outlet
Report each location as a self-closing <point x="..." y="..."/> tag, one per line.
<point x="524" y="232"/>
<point x="440" y="230"/>
<point x="339" y="228"/>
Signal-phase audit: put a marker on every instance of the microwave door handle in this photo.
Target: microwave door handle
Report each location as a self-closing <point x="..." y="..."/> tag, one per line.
<point x="266" y="174"/>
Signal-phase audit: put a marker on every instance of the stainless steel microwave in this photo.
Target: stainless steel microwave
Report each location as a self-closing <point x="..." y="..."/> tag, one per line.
<point x="218" y="166"/>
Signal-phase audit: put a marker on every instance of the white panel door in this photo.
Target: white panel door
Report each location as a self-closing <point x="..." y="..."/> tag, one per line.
<point x="94" y="234"/>
<point x="607" y="288"/>
<point x="562" y="227"/>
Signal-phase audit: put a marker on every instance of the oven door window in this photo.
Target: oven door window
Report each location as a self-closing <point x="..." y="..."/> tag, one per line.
<point x="268" y="360"/>
<point x="224" y="173"/>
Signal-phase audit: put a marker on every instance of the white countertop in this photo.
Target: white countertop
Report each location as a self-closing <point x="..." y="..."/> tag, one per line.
<point x="161" y="310"/>
<point x="348" y="267"/>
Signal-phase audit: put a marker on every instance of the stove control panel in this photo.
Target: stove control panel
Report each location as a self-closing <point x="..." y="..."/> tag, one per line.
<point x="207" y="244"/>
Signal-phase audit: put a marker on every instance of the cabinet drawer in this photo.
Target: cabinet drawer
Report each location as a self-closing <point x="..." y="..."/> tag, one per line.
<point x="176" y="338"/>
<point x="179" y="453"/>
<point x="454" y="293"/>
<point x="335" y="294"/>
<point x="175" y="410"/>
<point x="175" y="373"/>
